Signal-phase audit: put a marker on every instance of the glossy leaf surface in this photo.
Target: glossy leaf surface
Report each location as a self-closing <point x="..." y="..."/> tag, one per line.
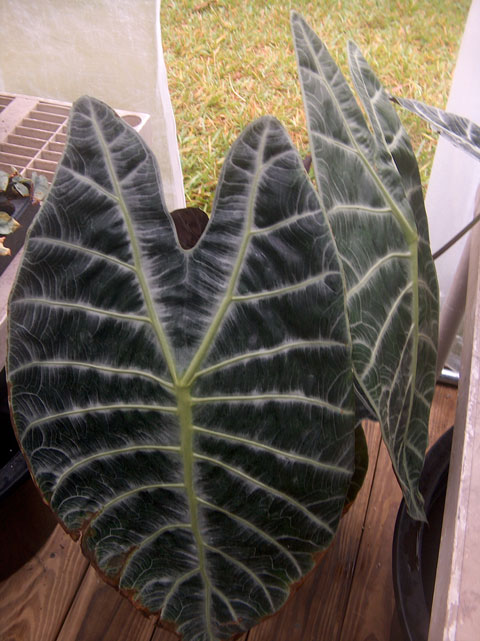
<point x="188" y="413"/>
<point x="366" y="182"/>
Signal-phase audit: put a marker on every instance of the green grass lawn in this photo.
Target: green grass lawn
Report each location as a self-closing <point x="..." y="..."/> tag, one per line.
<point x="231" y="61"/>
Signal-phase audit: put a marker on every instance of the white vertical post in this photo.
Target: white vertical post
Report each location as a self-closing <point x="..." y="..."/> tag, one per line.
<point x="456" y="603"/>
<point x="455" y="174"/>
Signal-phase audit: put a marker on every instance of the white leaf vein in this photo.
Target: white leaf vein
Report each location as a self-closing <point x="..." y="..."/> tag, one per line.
<point x="287" y="289"/>
<point x="383" y="260"/>
<point x="254" y="528"/>
<point x="131" y="449"/>
<point x="92" y="409"/>
<point x="245" y="569"/>
<point x="88" y="309"/>
<point x="274" y="450"/>
<point x="94" y="366"/>
<point x="56" y="242"/>
<point x="265" y="353"/>
<point x="279" y="398"/>
<point x="271" y="490"/>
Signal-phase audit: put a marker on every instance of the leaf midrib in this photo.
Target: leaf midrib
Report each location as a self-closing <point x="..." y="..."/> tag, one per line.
<point x="409" y="233"/>
<point x="136" y="254"/>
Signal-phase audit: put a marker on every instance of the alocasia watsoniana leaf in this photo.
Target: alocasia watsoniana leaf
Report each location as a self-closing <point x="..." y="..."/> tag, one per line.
<point x="389" y="274"/>
<point x="188" y="413"/>
<point x="461" y="131"/>
<point x="393" y="139"/>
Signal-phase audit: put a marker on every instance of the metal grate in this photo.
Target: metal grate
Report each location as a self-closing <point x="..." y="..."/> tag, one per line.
<point x="4" y="102"/>
<point x="36" y="142"/>
<point x="33" y="133"/>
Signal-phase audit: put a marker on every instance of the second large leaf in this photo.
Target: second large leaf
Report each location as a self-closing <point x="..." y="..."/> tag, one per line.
<point x="188" y="413"/>
<point x="369" y="186"/>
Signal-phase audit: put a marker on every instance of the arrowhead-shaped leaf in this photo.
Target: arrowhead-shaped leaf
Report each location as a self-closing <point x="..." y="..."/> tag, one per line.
<point x="189" y="413"/>
<point x="390" y="280"/>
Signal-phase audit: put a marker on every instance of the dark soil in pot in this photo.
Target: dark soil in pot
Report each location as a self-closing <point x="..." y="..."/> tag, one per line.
<point x="416" y="545"/>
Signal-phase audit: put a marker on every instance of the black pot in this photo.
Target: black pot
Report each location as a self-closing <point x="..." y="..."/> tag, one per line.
<point x="416" y="545"/>
<point x="13" y="469"/>
<point x="26" y="522"/>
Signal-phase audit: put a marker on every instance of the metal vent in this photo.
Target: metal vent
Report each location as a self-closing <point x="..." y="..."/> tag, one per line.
<point x="32" y="138"/>
<point x="33" y="133"/>
<point x="4" y="102"/>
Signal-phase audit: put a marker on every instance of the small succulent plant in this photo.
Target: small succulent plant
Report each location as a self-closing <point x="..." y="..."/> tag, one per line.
<point x="16" y="193"/>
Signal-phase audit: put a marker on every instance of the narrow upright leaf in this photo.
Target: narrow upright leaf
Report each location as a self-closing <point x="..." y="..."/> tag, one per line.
<point x="461" y="131"/>
<point x="392" y="310"/>
<point x="188" y="413"/>
<point x="400" y="162"/>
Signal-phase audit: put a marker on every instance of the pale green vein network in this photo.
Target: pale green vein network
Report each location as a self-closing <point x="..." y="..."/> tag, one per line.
<point x="244" y="569"/>
<point x="381" y="334"/>
<point x="56" y="242"/>
<point x="126" y="495"/>
<point x="176" y="584"/>
<point x="132" y="449"/>
<point x="227" y="602"/>
<point x="181" y="385"/>
<point x="185" y="417"/>
<point x="78" y="411"/>
<point x="274" y="450"/>
<point x="281" y="398"/>
<point x="137" y="256"/>
<point x="251" y="526"/>
<point x="287" y="222"/>
<point x="118" y="371"/>
<point x="265" y="353"/>
<point x="409" y="231"/>
<point x="398" y="372"/>
<point x="284" y="290"/>
<point x="116" y="198"/>
<point x="82" y="308"/>
<point x="348" y="208"/>
<point x="227" y="299"/>
<point x="366" y="277"/>
<point x="146" y="541"/>
<point x="268" y="488"/>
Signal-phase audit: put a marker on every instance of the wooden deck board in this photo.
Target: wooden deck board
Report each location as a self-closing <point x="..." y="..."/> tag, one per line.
<point x="316" y="610"/>
<point x="371" y="609"/>
<point x="35" y="600"/>
<point x="100" y="613"/>
<point x="348" y="597"/>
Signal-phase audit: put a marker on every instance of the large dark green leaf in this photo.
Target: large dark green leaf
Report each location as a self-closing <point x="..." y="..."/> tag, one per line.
<point x="188" y="413"/>
<point x="390" y="282"/>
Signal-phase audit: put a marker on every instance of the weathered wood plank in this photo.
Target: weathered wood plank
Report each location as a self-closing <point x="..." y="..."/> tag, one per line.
<point x="317" y="609"/>
<point x="36" y="598"/>
<point x="371" y="607"/>
<point x="163" y="635"/>
<point x="100" y="613"/>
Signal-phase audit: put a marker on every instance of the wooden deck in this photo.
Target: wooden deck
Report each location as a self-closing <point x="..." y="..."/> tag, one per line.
<point x="55" y="595"/>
